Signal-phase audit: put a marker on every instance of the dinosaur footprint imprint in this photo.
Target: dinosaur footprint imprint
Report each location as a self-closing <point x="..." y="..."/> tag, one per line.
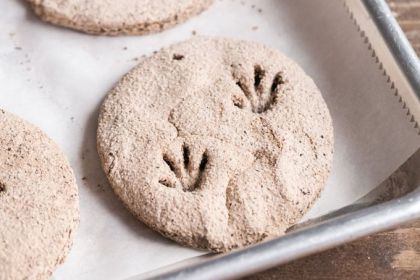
<point x="261" y="95"/>
<point x="186" y="172"/>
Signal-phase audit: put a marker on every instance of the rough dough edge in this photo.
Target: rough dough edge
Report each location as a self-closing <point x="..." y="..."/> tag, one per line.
<point x="62" y="256"/>
<point x="92" y="28"/>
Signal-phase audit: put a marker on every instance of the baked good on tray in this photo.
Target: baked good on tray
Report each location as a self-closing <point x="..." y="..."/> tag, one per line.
<point x="216" y="143"/>
<point x="118" y="17"/>
<point x="38" y="201"/>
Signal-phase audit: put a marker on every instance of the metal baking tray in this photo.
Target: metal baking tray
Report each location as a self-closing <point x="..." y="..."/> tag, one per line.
<point x="368" y="215"/>
<point x="354" y="50"/>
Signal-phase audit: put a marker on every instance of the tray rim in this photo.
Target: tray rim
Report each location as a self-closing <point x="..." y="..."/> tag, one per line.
<point x="303" y="242"/>
<point x="339" y="230"/>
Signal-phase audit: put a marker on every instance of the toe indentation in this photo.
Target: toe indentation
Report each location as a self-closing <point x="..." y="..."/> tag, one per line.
<point x="262" y="94"/>
<point x="183" y="172"/>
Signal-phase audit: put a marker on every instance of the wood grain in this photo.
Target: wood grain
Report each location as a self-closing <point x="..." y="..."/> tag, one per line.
<point x="407" y="13"/>
<point x="384" y="256"/>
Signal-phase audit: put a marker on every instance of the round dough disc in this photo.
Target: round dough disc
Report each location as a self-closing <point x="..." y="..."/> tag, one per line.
<point x="216" y="143"/>
<point x="118" y="17"/>
<point x="38" y="201"/>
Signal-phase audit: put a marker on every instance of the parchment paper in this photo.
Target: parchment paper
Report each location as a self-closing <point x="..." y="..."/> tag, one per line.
<point x="57" y="78"/>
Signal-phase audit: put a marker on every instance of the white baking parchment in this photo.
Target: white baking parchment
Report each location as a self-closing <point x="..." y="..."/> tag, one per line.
<point x="57" y="78"/>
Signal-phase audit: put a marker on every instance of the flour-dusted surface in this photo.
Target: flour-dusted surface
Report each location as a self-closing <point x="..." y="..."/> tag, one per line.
<point x="38" y="200"/>
<point x="58" y="78"/>
<point x="216" y="143"/>
<point x="122" y="17"/>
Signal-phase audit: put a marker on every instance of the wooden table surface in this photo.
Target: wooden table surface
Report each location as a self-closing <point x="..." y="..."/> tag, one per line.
<point x="389" y="255"/>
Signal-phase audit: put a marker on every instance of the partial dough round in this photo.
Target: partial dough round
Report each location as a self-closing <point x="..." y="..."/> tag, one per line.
<point x="216" y="143"/>
<point x="38" y="201"/>
<point x="118" y="17"/>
